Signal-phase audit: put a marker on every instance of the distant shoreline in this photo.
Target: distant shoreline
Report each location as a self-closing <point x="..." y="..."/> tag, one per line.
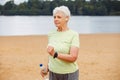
<point x="45" y="7"/>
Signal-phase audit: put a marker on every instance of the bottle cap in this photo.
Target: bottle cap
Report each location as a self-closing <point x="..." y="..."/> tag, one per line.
<point x="41" y="65"/>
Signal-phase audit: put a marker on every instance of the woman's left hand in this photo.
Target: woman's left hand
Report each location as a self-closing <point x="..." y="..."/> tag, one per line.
<point x="50" y="50"/>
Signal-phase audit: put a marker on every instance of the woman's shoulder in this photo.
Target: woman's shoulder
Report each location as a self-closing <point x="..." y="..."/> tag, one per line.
<point x="73" y="32"/>
<point x="51" y="32"/>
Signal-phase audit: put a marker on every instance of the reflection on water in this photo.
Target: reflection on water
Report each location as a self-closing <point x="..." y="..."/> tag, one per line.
<point x="36" y="25"/>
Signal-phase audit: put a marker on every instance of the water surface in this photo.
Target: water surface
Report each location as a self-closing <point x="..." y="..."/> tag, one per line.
<point x="37" y="25"/>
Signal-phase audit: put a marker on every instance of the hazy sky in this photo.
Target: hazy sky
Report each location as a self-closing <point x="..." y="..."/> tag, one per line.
<point x="16" y="1"/>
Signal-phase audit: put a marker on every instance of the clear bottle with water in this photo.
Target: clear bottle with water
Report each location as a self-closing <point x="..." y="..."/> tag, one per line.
<point x="44" y="70"/>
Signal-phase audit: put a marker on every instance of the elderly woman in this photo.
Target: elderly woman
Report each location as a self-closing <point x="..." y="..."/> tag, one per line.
<point x="63" y="47"/>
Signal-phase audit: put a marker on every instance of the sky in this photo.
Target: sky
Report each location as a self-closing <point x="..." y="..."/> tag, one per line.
<point x="16" y="1"/>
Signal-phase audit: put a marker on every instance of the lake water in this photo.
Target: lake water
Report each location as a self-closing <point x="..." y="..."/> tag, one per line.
<point x="37" y="25"/>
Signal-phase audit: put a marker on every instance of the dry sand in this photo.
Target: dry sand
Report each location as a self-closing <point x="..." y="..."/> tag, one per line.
<point x="99" y="57"/>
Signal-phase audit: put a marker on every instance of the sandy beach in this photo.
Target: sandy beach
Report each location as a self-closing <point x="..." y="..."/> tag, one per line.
<point x="99" y="57"/>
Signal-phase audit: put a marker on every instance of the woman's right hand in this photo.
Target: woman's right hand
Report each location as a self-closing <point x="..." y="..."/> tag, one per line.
<point x="44" y="72"/>
<point x="50" y="50"/>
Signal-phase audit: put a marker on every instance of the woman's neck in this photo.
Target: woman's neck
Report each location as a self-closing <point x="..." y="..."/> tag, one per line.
<point x="62" y="29"/>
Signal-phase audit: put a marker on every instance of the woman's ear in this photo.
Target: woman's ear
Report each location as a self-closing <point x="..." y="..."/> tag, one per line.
<point x="67" y="18"/>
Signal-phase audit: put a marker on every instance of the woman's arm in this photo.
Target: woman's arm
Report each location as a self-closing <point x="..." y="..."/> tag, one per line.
<point x="71" y="57"/>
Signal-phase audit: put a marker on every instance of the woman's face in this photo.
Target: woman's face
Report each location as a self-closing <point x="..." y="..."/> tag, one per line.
<point x="60" y="19"/>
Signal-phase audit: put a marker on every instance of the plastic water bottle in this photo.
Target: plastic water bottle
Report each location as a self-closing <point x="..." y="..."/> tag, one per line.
<point x="43" y="69"/>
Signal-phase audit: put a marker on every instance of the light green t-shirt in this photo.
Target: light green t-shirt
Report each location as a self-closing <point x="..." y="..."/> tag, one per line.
<point x="62" y="41"/>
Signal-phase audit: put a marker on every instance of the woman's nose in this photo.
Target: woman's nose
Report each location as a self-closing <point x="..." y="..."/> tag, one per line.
<point x="55" y="19"/>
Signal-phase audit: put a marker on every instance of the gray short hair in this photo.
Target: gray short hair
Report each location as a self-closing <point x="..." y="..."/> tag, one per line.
<point x="64" y="9"/>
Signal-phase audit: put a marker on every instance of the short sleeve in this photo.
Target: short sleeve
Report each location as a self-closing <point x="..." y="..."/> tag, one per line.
<point x="75" y="40"/>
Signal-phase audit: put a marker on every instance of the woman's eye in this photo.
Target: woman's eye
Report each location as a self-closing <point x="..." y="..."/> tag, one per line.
<point x="54" y="17"/>
<point x="59" y="16"/>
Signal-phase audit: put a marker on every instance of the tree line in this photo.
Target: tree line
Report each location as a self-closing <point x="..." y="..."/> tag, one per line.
<point x="77" y="7"/>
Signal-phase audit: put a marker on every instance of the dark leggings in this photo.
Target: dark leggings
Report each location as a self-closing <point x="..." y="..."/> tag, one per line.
<point x="69" y="76"/>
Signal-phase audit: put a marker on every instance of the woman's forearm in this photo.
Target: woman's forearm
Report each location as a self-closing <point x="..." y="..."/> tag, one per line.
<point x="67" y="57"/>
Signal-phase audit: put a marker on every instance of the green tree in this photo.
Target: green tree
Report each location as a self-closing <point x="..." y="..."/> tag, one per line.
<point x="8" y="8"/>
<point x="22" y="9"/>
<point x="115" y="9"/>
<point x="46" y="8"/>
<point x="88" y="10"/>
<point x="53" y="4"/>
<point x="101" y="10"/>
<point x="78" y="5"/>
<point x="107" y="4"/>
<point x="1" y="9"/>
<point x="9" y="5"/>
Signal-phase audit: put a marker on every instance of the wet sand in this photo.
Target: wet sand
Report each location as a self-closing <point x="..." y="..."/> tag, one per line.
<point x="99" y="57"/>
